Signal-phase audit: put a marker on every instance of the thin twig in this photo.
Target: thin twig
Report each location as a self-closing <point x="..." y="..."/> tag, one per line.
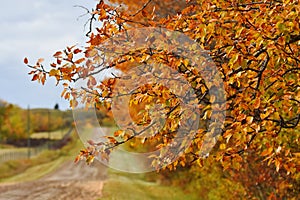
<point x="140" y="10"/>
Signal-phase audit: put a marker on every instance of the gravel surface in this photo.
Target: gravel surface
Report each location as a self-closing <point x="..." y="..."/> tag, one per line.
<point x="69" y="182"/>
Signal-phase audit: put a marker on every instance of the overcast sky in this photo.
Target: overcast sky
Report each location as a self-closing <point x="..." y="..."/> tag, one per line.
<point x="36" y="29"/>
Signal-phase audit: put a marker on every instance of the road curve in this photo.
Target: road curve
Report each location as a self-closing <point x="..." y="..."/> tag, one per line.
<point x="69" y="182"/>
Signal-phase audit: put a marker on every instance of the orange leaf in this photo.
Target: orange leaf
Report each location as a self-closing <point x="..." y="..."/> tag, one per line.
<point x="67" y="95"/>
<point x="43" y="79"/>
<point x="267" y="151"/>
<point x="118" y="133"/>
<point x="77" y="159"/>
<point x="57" y="54"/>
<point x="70" y="56"/>
<point x="256" y="104"/>
<point x="79" y="60"/>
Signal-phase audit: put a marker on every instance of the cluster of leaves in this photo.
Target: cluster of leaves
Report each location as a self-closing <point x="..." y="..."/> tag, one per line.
<point x="255" y="46"/>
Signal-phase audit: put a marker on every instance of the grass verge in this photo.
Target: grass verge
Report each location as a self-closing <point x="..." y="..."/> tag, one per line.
<point x="123" y="186"/>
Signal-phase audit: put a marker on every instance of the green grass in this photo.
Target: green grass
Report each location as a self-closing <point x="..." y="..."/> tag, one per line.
<point x="134" y="187"/>
<point x="3" y="151"/>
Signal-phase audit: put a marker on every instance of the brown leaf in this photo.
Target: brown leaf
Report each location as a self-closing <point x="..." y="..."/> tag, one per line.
<point x="25" y="60"/>
<point x="76" y="51"/>
<point x="35" y="77"/>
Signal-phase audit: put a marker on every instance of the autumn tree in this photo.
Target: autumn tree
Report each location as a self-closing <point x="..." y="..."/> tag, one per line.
<point x="254" y="47"/>
<point x="12" y="122"/>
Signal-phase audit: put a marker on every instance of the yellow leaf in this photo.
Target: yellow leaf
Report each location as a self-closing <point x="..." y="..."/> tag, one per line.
<point x="222" y="146"/>
<point x="267" y="152"/>
<point x="73" y="103"/>
<point x="90" y="159"/>
<point x="118" y="133"/>
<point x="277" y="164"/>
<point x="200" y="162"/>
<point x="104" y="93"/>
<point x="185" y="62"/>
<point x="53" y="72"/>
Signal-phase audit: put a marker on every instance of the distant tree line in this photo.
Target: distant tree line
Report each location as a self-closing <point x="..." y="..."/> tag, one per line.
<point x="13" y="120"/>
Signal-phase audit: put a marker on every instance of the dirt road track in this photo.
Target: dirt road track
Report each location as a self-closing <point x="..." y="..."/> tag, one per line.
<point x="69" y="182"/>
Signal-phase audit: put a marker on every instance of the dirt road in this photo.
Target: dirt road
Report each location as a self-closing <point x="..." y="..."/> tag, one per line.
<point x="69" y="182"/>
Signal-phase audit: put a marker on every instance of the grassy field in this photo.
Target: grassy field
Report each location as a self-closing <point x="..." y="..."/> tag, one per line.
<point x="54" y="135"/>
<point x="6" y="146"/>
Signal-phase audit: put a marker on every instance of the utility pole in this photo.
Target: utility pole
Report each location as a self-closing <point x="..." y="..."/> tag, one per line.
<point x="28" y="131"/>
<point x="49" y="132"/>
